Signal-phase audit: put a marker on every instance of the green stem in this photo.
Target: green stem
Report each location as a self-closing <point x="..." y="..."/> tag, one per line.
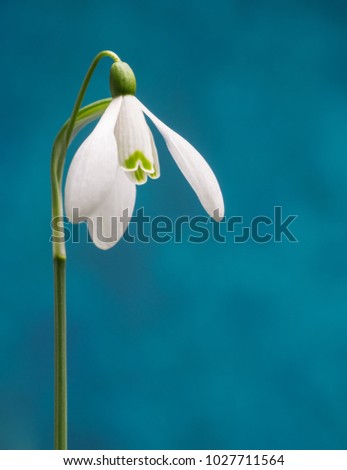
<point x="60" y="391"/>
<point x="79" y="118"/>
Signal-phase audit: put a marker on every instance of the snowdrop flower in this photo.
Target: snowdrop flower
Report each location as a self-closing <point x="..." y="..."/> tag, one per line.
<point x="120" y="154"/>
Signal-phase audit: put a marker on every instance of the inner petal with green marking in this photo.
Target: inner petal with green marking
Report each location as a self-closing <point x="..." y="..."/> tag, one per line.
<point x="137" y="154"/>
<point x="139" y="165"/>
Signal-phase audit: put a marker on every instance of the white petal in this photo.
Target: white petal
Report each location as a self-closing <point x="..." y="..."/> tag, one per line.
<point x="133" y="140"/>
<point x="111" y="218"/>
<point x="156" y="173"/>
<point x="93" y="168"/>
<point x="194" y="167"/>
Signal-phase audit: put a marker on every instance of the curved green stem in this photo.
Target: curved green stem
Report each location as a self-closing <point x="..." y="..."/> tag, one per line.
<point x="79" y="118"/>
<point x="83" y="90"/>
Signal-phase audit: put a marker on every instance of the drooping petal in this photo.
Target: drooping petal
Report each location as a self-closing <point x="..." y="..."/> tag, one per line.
<point x="193" y="166"/>
<point x="111" y="218"/>
<point x="135" y="153"/>
<point x="94" y="166"/>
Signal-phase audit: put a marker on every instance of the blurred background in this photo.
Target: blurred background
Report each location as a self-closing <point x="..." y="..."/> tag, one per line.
<point x="183" y="346"/>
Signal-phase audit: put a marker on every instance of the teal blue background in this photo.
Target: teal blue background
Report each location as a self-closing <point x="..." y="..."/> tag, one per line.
<point x="180" y="346"/>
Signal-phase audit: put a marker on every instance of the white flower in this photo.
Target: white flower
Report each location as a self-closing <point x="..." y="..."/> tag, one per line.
<point x="119" y="154"/>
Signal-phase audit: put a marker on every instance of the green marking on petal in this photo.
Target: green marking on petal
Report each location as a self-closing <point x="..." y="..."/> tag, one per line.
<point x="132" y="161"/>
<point x="139" y="175"/>
<point x="154" y="175"/>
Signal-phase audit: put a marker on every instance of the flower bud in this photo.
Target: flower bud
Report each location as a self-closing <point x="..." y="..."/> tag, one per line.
<point x="122" y="80"/>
